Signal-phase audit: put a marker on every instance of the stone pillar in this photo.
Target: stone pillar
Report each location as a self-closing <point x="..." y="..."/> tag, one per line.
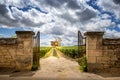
<point x="24" y="54"/>
<point x="93" y="50"/>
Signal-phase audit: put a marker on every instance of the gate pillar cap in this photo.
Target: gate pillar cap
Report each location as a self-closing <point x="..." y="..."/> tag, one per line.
<point x="25" y="32"/>
<point x="93" y="33"/>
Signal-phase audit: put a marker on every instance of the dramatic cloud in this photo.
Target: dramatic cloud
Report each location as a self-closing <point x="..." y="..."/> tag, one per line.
<point x="72" y="4"/>
<point x="5" y="18"/>
<point x="14" y="15"/>
<point x="61" y="18"/>
<point x="116" y="1"/>
<point x="87" y="14"/>
<point x="112" y="6"/>
<point x="3" y="10"/>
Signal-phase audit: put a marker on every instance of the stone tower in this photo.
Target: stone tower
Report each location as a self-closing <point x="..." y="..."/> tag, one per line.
<point x="59" y="41"/>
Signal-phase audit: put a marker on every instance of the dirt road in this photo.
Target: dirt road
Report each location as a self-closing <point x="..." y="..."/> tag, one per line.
<point x="58" y="67"/>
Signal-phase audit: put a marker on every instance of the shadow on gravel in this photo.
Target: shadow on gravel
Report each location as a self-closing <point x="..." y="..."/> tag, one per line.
<point x="22" y="74"/>
<point x="105" y="75"/>
<point x="13" y="73"/>
<point x="5" y="71"/>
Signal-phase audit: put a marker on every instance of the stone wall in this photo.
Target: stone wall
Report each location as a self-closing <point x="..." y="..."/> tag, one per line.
<point x="17" y="52"/>
<point x="103" y="55"/>
<point x="7" y="52"/>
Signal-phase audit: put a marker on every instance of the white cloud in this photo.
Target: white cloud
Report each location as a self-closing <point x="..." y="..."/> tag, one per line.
<point x="2" y="35"/>
<point x="110" y="6"/>
<point x="111" y="34"/>
<point x="118" y="25"/>
<point x="64" y="17"/>
<point x="96" y="24"/>
<point x="46" y="41"/>
<point x="105" y="16"/>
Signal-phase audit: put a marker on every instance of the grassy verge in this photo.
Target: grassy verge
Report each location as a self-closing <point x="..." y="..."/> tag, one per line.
<point x="83" y="63"/>
<point x="36" y="56"/>
<point x="35" y="66"/>
<point x="55" y="53"/>
<point x="72" y="51"/>
<point x="43" y="51"/>
<point x="48" y="54"/>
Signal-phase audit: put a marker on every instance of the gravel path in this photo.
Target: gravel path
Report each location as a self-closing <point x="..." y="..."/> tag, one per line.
<point x="61" y="68"/>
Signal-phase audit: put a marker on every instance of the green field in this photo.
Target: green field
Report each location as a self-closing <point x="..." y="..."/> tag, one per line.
<point x="72" y="51"/>
<point x="37" y="56"/>
<point x="44" y="50"/>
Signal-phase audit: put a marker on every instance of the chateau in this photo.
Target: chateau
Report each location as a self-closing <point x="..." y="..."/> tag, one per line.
<point x="56" y="43"/>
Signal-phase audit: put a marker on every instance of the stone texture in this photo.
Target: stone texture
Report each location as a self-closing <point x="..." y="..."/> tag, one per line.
<point x="17" y="52"/>
<point x="103" y="55"/>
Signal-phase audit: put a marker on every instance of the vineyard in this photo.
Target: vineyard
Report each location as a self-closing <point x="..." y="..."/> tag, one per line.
<point x="43" y="51"/>
<point x="72" y="51"/>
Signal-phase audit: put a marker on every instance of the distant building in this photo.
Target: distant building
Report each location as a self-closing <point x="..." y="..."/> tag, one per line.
<point x="56" y="43"/>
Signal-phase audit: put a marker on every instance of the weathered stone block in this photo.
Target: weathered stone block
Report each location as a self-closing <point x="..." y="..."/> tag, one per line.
<point x="20" y="46"/>
<point x="105" y="53"/>
<point x="27" y="44"/>
<point x="98" y="59"/>
<point x="91" y="60"/>
<point x="95" y="53"/>
<point x="114" y="58"/>
<point x="112" y="70"/>
<point x="94" y="67"/>
<point x="106" y="66"/>
<point x="105" y="58"/>
<point x="20" y="53"/>
<point x="8" y="57"/>
<point x="24" y="62"/>
<point x="13" y="63"/>
<point x="27" y="51"/>
<point x="92" y="48"/>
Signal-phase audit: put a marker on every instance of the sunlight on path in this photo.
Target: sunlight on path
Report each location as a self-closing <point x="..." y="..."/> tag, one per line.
<point x="52" y="52"/>
<point x="48" y="54"/>
<point x="59" y="68"/>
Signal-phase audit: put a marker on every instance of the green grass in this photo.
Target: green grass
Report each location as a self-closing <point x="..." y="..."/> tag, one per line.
<point x="48" y="54"/>
<point x="83" y="64"/>
<point x="72" y="51"/>
<point x="43" y="51"/>
<point x="55" y="53"/>
<point x="35" y="66"/>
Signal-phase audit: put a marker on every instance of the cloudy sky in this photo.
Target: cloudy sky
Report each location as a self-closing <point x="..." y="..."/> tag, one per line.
<point x="60" y="18"/>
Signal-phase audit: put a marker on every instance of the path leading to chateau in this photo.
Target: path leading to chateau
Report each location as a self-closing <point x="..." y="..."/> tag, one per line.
<point x="58" y="67"/>
<point x="55" y="66"/>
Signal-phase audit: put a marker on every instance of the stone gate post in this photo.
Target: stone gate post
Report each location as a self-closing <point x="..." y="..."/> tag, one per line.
<point x="93" y="49"/>
<point x="24" y="54"/>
